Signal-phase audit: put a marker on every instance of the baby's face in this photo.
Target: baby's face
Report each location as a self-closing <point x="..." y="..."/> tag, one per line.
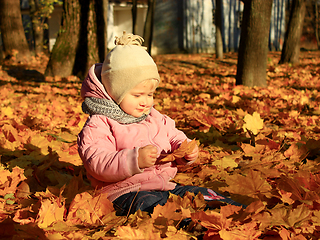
<point x="139" y="99"/>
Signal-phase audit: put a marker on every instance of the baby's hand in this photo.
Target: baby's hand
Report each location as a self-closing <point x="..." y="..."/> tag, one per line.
<point x="147" y="156"/>
<point x="193" y="155"/>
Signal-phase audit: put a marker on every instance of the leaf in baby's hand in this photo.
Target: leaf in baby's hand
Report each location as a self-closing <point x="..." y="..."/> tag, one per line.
<point x="184" y="149"/>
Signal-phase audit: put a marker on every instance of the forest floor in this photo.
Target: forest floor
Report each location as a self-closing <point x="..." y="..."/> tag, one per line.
<point x="259" y="146"/>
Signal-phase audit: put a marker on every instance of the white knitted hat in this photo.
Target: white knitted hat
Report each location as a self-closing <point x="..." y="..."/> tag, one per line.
<point x="127" y="65"/>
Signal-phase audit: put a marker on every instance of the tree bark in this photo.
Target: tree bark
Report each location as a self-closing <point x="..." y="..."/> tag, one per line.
<point x="218" y="23"/>
<point x="13" y="37"/>
<point x="134" y="11"/>
<point x="316" y="11"/>
<point x="101" y="9"/>
<point x="37" y="27"/>
<point x="148" y="27"/>
<point x="77" y="45"/>
<point x="253" y="49"/>
<point x="291" y="46"/>
<point x="83" y="52"/>
<point x="63" y="54"/>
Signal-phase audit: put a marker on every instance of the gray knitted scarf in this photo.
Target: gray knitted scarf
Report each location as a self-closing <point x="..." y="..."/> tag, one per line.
<point x="110" y="109"/>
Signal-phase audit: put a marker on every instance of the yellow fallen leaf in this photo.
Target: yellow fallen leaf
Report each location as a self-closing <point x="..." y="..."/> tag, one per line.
<point x="253" y="123"/>
<point x="225" y="162"/>
<point x="7" y="111"/>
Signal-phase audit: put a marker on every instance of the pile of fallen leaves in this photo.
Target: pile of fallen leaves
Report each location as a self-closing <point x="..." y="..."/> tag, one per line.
<point x="259" y="146"/>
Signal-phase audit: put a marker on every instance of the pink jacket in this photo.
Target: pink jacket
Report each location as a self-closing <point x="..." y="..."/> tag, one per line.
<point x="109" y="150"/>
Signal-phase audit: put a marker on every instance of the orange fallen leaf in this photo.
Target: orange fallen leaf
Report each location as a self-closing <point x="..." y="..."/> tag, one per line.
<point x="51" y="211"/>
<point x="88" y="209"/>
<point x="184" y="149"/>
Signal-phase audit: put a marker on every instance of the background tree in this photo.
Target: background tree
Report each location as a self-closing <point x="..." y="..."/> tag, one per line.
<point x="77" y="45"/>
<point x="253" y="49"/>
<point x="40" y="11"/>
<point x="63" y="54"/>
<point x="101" y="9"/>
<point x="148" y="27"/>
<point x="291" y="46"/>
<point x="12" y="32"/>
<point x="87" y="52"/>
<point x="218" y="23"/>
<point x="317" y="22"/>
<point x="134" y="11"/>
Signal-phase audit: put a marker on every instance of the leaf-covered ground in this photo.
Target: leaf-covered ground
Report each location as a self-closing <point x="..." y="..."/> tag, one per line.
<point x="259" y="146"/>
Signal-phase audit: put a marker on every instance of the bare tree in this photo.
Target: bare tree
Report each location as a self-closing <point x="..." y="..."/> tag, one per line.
<point x="291" y="46"/>
<point x="253" y="49"/>
<point x="12" y="32"/>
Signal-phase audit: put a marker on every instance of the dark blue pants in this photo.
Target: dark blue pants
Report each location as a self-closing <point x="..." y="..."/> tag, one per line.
<point x="147" y="200"/>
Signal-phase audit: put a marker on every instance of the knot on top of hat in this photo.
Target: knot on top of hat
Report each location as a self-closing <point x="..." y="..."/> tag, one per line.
<point x="129" y="39"/>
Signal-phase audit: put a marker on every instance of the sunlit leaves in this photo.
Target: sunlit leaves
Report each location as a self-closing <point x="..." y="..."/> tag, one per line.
<point x="252" y="185"/>
<point x="259" y="146"/>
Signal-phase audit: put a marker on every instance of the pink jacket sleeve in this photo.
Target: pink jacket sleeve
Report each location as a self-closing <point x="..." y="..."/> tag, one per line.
<point x="97" y="149"/>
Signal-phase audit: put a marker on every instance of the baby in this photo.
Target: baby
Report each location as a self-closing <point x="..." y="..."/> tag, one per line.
<point x="122" y="140"/>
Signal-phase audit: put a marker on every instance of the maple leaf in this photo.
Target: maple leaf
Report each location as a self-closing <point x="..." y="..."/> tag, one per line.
<point x="226" y="162"/>
<point x="184" y="149"/>
<point x="253" y="123"/>
<point x="284" y="216"/>
<point x="211" y="220"/>
<point x="10" y="180"/>
<point x="167" y="211"/>
<point x="252" y="185"/>
<point x="88" y="209"/>
<point x="51" y="211"/>
<point x="243" y="232"/>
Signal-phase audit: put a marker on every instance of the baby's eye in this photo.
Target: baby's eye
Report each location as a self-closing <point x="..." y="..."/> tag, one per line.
<point x="136" y="95"/>
<point x="150" y="94"/>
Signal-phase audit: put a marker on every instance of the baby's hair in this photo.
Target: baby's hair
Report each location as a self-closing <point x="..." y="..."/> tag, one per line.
<point x="154" y="82"/>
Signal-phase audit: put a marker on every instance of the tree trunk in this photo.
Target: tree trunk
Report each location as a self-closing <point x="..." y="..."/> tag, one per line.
<point x="316" y="11"/>
<point x="105" y="20"/>
<point x="13" y="37"/>
<point x="92" y="55"/>
<point x="253" y="49"/>
<point x="63" y="54"/>
<point x="101" y="9"/>
<point x="76" y="48"/>
<point x="148" y="27"/>
<point x="83" y="53"/>
<point x="218" y="23"/>
<point x="37" y="27"/>
<point x="291" y="46"/>
<point x="134" y="11"/>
